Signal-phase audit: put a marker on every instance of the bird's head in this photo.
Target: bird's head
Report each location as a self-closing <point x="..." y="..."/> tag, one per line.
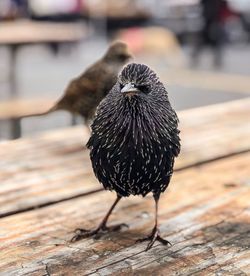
<point x="137" y="80"/>
<point x="118" y="52"/>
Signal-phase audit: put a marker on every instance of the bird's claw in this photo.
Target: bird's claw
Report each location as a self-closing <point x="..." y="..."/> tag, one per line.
<point x="83" y="233"/>
<point x="96" y="233"/>
<point x="80" y="230"/>
<point x="152" y="238"/>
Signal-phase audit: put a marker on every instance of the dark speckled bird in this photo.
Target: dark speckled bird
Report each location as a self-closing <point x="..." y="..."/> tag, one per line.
<point x="134" y="142"/>
<point x="85" y="92"/>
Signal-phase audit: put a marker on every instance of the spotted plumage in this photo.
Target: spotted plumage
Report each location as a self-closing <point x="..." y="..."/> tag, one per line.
<point x="134" y="141"/>
<point x="135" y="138"/>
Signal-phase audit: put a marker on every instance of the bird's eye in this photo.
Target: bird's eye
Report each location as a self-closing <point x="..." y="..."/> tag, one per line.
<point x="122" y="56"/>
<point x="143" y="88"/>
<point x="121" y="85"/>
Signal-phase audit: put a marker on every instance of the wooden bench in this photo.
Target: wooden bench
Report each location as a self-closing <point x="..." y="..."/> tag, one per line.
<point x="48" y="189"/>
<point x="21" y="33"/>
<point x="16" y="109"/>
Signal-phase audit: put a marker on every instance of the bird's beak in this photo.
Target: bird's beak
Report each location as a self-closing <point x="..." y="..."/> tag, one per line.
<point x="130" y="89"/>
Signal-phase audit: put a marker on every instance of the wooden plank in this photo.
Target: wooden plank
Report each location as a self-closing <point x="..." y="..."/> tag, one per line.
<point x="18" y="108"/>
<point x="209" y="228"/>
<point x="28" y="32"/>
<point x="214" y="131"/>
<point x="52" y="167"/>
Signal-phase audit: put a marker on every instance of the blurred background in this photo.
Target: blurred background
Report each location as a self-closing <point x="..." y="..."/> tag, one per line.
<point x="200" y="49"/>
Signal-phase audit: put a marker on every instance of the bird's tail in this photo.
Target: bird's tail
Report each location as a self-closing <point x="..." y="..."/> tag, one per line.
<point x="55" y="107"/>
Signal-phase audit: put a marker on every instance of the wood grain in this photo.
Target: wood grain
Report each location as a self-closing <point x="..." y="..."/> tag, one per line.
<point x="205" y="214"/>
<point x="54" y="166"/>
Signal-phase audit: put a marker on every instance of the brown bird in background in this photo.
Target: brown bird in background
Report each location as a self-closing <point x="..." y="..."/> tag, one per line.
<point x="85" y="92"/>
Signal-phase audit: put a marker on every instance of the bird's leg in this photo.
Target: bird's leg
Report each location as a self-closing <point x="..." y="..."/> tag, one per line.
<point x="102" y="228"/>
<point x="155" y="234"/>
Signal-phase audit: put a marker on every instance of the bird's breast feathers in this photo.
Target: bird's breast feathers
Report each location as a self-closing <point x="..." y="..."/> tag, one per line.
<point x="132" y="150"/>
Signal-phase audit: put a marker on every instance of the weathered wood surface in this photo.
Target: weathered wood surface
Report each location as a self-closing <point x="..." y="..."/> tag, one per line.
<point x="54" y="166"/>
<point x="28" y="32"/>
<point x="205" y="214"/>
<point x="19" y="108"/>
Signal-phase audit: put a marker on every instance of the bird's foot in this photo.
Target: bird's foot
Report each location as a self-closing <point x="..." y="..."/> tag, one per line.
<point x="96" y="233"/>
<point x="154" y="236"/>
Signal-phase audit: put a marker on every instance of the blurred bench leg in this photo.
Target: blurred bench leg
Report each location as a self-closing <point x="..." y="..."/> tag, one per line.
<point x="73" y="120"/>
<point x="15" y="128"/>
<point x="13" y="70"/>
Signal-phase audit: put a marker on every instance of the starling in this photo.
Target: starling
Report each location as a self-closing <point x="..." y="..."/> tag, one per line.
<point x="85" y="92"/>
<point x="134" y="142"/>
